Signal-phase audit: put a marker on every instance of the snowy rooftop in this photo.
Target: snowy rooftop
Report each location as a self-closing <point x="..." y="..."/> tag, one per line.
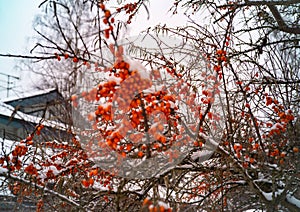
<point x="9" y="111"/>
<point x="28" y="95"/>
<point x="8" y="106"/>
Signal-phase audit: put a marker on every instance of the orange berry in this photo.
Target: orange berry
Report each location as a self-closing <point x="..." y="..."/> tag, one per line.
<point x="106" y="33"/>
<point x="91" y="117"/>
<point x="281" y="161"/>
<point x="29" y="138"/>
<point x="235" y="147"/>
<point x="161" y="208"/>
<point x="102" y="6"/>
<point x="140" y="154"/>
<point x="75" y="59"/>
<point x="91" y="181"/>
<point x="93" y="172"/>
<point x="85" y="183"/>
<point x="282" y="154"/>
<point x="73" y="98"/>
<point x="111" y="48"/>
<point x="128" y="147"/>
<point x="146" y="201"/>
<point x="29" y="142"/>
<point x="276" y="152"/>
<point x="107" y="13"/>
<point x="295" y="149"/>
<point x="162" y="139"/>
<point x="144" y="147"/>
<point x="156" y="146"/>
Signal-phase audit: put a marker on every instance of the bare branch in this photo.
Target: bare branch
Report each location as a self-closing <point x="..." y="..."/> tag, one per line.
<point x="281" y="23"/>
<point x="28" y="57"/>
<point x="257" y="3"/>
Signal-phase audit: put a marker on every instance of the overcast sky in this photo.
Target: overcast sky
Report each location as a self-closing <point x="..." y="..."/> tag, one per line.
<point x="16" y="17"/>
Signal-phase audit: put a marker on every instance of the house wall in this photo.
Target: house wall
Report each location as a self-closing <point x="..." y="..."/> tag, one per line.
<point x="11" y="130"/>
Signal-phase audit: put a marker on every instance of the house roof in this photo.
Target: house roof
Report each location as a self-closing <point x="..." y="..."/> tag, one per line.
<point x="11" y="113"/>
<point x="32" y="98"/>
<point x="28" y="94"/>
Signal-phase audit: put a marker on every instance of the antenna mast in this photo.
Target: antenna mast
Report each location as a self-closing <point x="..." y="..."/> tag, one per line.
<point x="9" y="82"/>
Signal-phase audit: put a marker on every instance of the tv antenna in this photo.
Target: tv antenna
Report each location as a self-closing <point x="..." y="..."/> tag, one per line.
<point x="9" y="82"/>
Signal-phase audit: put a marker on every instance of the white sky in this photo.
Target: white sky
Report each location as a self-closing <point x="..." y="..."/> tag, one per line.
<point x="16" y="17"/>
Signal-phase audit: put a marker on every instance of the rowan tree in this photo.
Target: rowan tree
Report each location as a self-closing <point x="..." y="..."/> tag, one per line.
<point x="233" y="94"/>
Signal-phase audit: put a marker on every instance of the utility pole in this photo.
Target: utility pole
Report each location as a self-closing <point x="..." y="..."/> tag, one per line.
<point x="9" y="82"/>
